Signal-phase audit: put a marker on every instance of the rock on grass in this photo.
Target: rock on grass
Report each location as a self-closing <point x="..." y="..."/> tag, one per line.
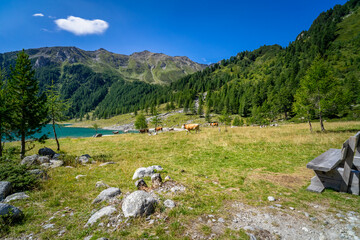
<point x="106" y="211"/>
<point x="5" y="189"/>
<point x="9" y="212"/>
<point x="138" y="203"/>
<point x="107" y="194"/>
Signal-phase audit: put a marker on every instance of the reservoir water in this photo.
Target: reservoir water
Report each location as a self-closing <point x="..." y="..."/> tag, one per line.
<point x="65" y="130"/>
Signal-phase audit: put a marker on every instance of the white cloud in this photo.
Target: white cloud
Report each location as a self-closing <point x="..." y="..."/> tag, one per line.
<point x="38" y="15"/>
<point x="80" y="26"/>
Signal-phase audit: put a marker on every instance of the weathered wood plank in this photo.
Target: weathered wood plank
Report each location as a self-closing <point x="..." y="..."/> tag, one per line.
<point x="326" y="161"/>
<point x="316" y="185"/>
<point x="349" y="159"/>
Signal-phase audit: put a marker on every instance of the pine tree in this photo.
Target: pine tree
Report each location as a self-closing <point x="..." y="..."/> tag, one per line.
<point x="30" y="109"/>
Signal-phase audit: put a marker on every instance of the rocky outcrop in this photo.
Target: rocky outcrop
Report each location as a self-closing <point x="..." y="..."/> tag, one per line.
<point x="139" y="203"/>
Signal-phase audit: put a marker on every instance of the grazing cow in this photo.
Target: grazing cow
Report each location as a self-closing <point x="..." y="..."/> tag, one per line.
<point x="115" y="132"/>
<point x="189" y="127"/>
<point x="145" y="130"/>
<point x="158" y="129"/>
<point x="214" y="124"/>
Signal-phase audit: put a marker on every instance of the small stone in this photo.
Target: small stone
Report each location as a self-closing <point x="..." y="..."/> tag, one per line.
<point x="48" y="226"/>
<point x="16" y="196"/>
<point x="169" y="203"/>
<point x="141" y="184"/>
<point x="156" y="180"/>
<point x="80" y="176"/>
<point x="291" y="208"/>
<point x="62" y="232"/>
<point x="106" y="163"/>
<point x="271" y="199"/>
<point x="167" y="178"/>
<point x="278" y="205"/>
<point x="151" y="221"/>
<point x="146" y="172"/>
<point x="313" y="219"/>
<point x="305" y="229"/>
<point x="221" y="220"/>
<point x="101" y="184"/>
<point x="306" y="214"/>
<point x="88" y="237"/>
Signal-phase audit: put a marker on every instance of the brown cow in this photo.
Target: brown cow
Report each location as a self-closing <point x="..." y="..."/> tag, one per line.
<point x="189" y="127"/>
<point x="214" y="124"/>
<point x="158" y="129"/>
<point x="145" y="130"/>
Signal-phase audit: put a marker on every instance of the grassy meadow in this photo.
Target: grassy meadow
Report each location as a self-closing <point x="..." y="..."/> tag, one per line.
<point x="245" y="164"/>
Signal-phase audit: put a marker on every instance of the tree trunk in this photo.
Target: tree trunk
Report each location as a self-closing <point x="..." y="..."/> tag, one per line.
<point x="1" y="146"/>
<point x="57" y="141"/>
<point x="310" y="125"/>
<point x="22" y="151"/>
<point x="321" y="122"/>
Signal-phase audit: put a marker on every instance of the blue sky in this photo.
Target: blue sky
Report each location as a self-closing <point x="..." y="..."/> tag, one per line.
<point x="205" y="31"/>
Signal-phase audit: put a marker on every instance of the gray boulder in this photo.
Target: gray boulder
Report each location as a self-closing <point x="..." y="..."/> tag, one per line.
<point x="138" y="203"/>
<point x="106" y="211"/>
<point x="5" y="189"/>
<point x="56" y="163"/>
<point x="146" y="172"/>
<point x="10" y="212"/>
<point x="30" y="160"/>
<point x="83" y="159"/>
<point x="46" y="152"/>
<point x="56" y="156"/>
<point x="16" y="196"/>
<point x="43" y="159"/>
<point x="40" y="174"/>
<point x="107" y="194"/>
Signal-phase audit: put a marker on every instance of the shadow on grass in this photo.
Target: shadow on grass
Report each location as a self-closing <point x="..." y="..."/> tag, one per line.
<point x="349" y="130"/>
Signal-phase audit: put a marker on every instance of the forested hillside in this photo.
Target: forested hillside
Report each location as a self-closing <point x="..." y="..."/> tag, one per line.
<point x="262" y="84"/>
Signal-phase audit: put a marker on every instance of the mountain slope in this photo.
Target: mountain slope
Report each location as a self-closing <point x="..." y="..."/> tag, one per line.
<point x="142" y="66"/>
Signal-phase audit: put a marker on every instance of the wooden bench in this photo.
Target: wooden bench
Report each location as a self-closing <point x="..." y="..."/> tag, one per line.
<point x="337" y="169"/>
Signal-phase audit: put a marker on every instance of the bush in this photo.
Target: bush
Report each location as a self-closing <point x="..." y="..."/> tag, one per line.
<point x="18" y="175"/>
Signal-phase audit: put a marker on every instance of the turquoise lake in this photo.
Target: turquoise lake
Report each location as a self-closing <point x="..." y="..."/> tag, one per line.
<point x="64" y="131"/>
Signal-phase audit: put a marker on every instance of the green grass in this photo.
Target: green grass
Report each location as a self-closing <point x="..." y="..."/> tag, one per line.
<point x="245" y="164"/>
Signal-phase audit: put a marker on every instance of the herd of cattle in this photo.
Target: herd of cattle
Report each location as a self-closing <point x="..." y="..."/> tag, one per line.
<point x="187" y="127"/>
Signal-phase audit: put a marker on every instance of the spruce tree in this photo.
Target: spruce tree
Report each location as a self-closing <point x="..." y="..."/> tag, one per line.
<point x="29" y="106"/>
<point x="140" y="122"/>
